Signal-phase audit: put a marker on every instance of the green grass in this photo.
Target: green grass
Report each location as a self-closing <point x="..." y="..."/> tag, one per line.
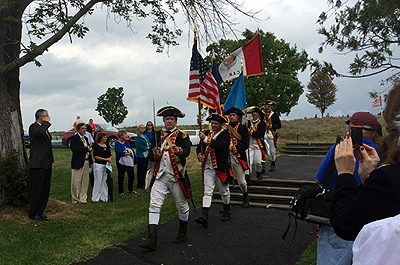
<point x="78" y="232"/>
<point x="309" y="256"/>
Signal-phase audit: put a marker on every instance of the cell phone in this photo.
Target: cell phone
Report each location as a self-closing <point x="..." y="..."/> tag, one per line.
<point x="356" y="136"/>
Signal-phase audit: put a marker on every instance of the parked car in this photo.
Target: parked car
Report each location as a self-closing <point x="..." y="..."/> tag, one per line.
<point x="56" y="141"/>
<point x="108" y="129"/>
<point x="26" y="138"/>
<point x="193" y="136"/>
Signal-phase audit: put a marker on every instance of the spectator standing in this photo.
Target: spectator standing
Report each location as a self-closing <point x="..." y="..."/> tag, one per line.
<point x="80" y="165"/>
<point x="149" y="130"/>
<point x="40" y="165"/>
<point x="122" y="150"/>
<point x="78" y="120"/>
<point x="331" y="248"/>
<point x="379" y="196"/>
<point x="92" y="125"/>
<point x="142" y="151"/>
<point x="102" y="157"/>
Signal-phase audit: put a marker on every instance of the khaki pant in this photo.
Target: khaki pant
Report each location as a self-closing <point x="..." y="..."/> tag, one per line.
<point x="80" y="183"/>
<point x="238" y="168"/>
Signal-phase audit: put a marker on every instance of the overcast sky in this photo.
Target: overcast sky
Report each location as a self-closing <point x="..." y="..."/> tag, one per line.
<point x="74" y="74"/>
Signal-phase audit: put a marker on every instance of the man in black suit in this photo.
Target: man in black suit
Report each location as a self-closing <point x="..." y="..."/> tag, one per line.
<point x="40" y="165"/>
<point x="80" y="165"/>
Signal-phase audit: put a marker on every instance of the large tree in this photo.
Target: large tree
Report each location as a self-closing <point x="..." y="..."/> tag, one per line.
<point x="111" y="105"/>
<point x="370" y="29"/>
<point x="321" y="91"/>
<point x="282" y="64"/>
<point x="48" y="21"/>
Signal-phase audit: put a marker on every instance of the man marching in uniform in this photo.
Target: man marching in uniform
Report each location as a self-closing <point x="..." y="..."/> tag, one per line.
<point x="273" y="123"/>
<point x="217" y="171"/>
<point x="256" y="149"/>
<point x="237" y="150"/>
<point x="169" y="174"/>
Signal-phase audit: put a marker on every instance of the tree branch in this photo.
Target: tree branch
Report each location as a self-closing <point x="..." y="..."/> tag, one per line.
<point x="39" y="50"/>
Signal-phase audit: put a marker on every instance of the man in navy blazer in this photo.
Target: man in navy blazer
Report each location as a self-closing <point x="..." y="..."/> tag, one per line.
<point x="80" y="165"/>
<point x="40" y="165"/>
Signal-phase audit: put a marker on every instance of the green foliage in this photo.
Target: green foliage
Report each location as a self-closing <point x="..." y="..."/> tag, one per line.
<point x="111" y="106"/>
<point x="370" y="28"/>
<point x="13" y="180"/>
<point x="281" y="63"/>
<point x="321" y="91"/>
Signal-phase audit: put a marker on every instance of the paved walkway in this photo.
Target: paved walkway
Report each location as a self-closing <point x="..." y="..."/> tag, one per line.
<point x="251" y="236"/>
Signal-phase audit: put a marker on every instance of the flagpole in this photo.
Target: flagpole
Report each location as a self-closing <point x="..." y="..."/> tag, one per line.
<point x="154" y="119"/>
<point x="201" y="147"/>
<point x="199" y="108"/>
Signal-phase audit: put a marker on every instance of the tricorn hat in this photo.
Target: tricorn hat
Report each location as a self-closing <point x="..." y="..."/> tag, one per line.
<point x="259" y="111"/>
<point x="269" y="102"/>
<point x="170" y="111"/>
<point x="233" y="110"/>
<point x="217" y="117"/>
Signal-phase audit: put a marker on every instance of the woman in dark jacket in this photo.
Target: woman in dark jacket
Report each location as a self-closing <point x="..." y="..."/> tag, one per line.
<point x="379" y="195"/>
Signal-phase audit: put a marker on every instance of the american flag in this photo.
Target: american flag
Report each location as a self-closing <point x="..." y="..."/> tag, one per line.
<point x="202" y="84"/>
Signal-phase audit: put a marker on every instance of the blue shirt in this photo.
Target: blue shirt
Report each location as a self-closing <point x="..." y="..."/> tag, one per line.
<point x="119" y="149"/>
<point x="149" y="134"/>
<point x="323" y="168"/>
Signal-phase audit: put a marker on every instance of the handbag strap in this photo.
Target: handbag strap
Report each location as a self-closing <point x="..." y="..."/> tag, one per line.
<point x="331" y="169"/>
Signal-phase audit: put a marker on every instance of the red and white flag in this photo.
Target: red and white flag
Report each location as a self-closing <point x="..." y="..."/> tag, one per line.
<point x="377" y="102"/>
<point x="250" y="55"/>
<point x="209" y="93"/>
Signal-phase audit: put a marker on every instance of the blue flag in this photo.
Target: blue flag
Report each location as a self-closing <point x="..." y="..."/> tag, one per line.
<point x="237" y="96"/>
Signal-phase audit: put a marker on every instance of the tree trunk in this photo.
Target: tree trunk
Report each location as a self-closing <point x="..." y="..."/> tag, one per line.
<point x="11" y="129"/>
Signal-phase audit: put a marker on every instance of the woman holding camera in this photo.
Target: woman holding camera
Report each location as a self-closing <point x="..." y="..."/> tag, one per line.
<point x="379" y="196"/>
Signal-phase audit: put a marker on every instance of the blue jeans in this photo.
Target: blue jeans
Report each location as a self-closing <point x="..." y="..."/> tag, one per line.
<point x="332" y="249"/>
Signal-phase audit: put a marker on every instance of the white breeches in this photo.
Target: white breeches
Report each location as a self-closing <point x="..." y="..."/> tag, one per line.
<point x="159" y="193"/>
<point x="270" y="142"/>
<point x="210" y="180"/>
<point x="255" y="156"/>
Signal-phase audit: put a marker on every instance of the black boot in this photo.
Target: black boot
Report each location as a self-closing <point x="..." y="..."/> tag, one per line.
<point x="226" y="215"/>
<point x="203" y="219"/>
<point x="272" y="168"/>
<point x="246" y="201"/>
<point x="181" y="237"/>
<point x="263" y="167"/>
<point x="259" y="176"/>
<point x="151" y="243"/>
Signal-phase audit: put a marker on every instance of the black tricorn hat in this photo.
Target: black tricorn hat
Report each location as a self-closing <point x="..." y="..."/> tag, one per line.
<point x="269" y="102"/>
<point x="259" y="111"/>
<point x="170" y="111"/>
<point x="217" y="117"/>
<point x="233" y="110"/>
